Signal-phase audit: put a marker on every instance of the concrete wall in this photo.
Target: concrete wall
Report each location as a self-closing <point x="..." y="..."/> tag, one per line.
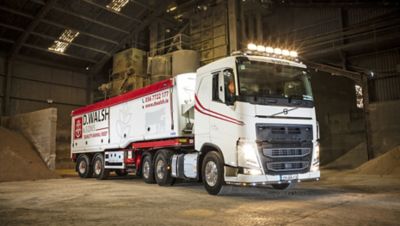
<point x="385" y="126"/>
<point x="39" y="127"/>
<point x="341" y="123"/>
<point x="34" y="86"/>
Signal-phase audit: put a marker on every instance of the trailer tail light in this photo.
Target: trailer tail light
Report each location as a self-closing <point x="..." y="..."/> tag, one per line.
<point x="129" y="158"/>
<point x="73" y="157"/>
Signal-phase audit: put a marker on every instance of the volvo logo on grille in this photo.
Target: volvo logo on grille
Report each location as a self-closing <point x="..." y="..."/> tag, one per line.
<point x="285" y="111"/>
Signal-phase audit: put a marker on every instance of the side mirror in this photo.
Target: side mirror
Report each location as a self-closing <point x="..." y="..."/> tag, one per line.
<point x="221" y="87"/>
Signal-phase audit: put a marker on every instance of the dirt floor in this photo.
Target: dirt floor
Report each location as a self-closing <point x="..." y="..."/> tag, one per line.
<point x="340" y="198"/>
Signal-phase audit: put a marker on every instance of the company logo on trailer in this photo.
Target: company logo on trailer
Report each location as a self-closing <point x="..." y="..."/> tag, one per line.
<point x="78" y="128"/>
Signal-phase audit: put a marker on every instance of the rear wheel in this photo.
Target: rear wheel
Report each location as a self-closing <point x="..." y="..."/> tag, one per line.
<point x="121" y="173"/>
<point x="98" y="168"/>
<point x="163" y="168"/>
<point x="83" y="166"/>
<point x="148" y="170"/>
<point x="213" y="172"/>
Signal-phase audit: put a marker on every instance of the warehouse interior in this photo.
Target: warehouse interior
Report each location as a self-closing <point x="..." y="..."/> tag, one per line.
<point x="57" y="56"/>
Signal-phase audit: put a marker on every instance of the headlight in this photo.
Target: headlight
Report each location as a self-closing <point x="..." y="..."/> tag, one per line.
<point x="247" y="156"/>
<point x="315" y="159"/>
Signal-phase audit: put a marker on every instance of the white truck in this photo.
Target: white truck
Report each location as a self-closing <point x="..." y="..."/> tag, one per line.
<point x="247" y="119"/>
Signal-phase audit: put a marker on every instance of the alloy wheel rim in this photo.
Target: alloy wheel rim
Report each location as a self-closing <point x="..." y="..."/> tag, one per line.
<point x="160" y="169"/>
<point x="97" y="167"/>
<point x="211" y="173"/>
<point x="146" y="169"/>
<point x="82" y="167"/>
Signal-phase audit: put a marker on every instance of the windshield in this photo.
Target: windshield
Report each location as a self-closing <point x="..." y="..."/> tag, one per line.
<point x="262" y="79"/>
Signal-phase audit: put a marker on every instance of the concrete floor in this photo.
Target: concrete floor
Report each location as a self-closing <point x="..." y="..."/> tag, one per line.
<point x="339" y="199"/>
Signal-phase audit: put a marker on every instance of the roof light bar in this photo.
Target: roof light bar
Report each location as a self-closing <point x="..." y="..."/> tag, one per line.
<point x="62" y="43"/>
<point x="117" y="5"/>
<point x="251" y="46"/>
<point x="272" y="50"/>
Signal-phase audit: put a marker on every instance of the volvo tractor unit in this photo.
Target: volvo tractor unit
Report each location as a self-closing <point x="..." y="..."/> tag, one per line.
<point x="247" y="119"/>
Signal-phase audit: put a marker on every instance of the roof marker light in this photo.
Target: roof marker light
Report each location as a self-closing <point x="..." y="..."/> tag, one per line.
<point x="269" y="49"/>
<point x="251" y="46"/>
<point x="261" y="48"/>
<point x="286" y="52"/>
<point x="278" y="51"/>
<point x="293" y="54"/>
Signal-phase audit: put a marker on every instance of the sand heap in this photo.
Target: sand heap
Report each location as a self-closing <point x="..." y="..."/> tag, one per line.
<point x="19" y="160"/>
<point x="351" y="159"/>
<point x="387" y="164"/>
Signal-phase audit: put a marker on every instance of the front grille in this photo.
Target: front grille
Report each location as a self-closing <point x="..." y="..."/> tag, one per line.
<point x="287" y="166"/>
<point x="284" y="148"/>
<point x="286" y="152"/>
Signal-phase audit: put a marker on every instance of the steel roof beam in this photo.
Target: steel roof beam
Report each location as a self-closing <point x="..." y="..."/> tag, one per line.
<point x="47" y="51"/>
<point x="112" y="11"/>
<point x="72" y="43"/>
<point x="336" y="4"/>
<point x="6" y="40"/>
<point x="39" y="16"/>
<point x="98" y="66"/>
<point x="81" y="32"/>
<point x="58" y="25"/>
<point x="12" y="27"/>
<point x="85" y="17"/>
<point x="53" y="38"/>
<point x="61" y="54"/>
<point x="91" y="20"/>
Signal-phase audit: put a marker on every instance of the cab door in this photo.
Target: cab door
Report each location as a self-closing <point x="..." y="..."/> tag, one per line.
<point x="224" y="123"/>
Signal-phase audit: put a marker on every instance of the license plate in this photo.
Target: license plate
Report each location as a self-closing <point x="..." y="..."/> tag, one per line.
<point x="289" y="177"/>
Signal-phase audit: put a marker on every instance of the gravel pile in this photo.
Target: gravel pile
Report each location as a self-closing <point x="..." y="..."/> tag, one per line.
<point x="19" y="160"/>
<point x="351" y="159"/>
<point x="387" y="164"/>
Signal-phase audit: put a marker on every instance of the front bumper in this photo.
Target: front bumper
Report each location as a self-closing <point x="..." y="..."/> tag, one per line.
<point x="272" y="179"/>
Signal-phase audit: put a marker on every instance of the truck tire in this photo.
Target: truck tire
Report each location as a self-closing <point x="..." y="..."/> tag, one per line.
<point x="148" y="170"/>
<point x="283" y="186"/>
<point x="98" y="168"/>
<point x="162" y="168"/>
<point x="83" y="166"/>
<point x="212" y="171"/>
<point x="121" y="172"/>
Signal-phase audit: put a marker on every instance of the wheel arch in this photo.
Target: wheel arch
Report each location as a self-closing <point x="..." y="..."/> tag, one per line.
<point x="206" y="148"/>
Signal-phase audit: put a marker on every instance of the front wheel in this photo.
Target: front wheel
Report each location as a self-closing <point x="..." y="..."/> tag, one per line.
<point x="98" y="168"/>
<point x="213" y="172"/>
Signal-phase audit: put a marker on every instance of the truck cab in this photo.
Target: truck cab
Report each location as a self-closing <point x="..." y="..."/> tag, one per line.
<point x="255" y="122"/>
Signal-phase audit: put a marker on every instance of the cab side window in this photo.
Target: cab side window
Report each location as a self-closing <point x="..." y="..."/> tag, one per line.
<point x="223" y="87"/>
<point x="215" y="96"/>
<point x="229" y="86"/>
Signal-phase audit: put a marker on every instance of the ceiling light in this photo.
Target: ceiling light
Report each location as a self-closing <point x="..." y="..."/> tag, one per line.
<point x="117" y="5"/>
<point x="62" y="43"/>
<point x="172" y="7"/>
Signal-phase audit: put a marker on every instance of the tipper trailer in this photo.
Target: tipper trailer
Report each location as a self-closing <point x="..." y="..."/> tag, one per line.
<point x="246" y="119"/>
